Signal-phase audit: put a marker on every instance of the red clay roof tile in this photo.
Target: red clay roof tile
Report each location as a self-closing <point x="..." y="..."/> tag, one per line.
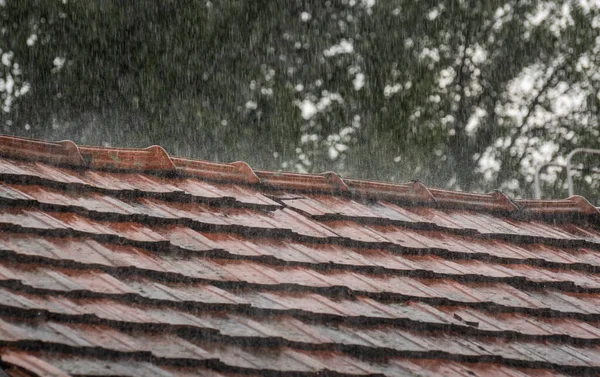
<point x="131" y="262"/>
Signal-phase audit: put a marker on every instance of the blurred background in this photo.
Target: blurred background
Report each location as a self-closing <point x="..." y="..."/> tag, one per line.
<point x="468" y="95"/>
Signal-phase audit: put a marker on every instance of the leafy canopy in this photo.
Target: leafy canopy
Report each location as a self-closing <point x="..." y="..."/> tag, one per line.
<point x="460" y="94"/>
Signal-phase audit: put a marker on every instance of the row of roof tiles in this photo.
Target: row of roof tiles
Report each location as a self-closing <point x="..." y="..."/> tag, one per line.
<point x="101" y="280"/>
<point x="302" y="296"/>
<point x="571" y="269"/>
<point x="70" y="324"/>
<point x="327" y="217"/>
<point x="297" y="325"/>
<point x="179" y="236"/>
<point x="58" y="364"/>
<point x="154" y="342"/>
<point x="458" y="306"/>
<point x="278" y="262"/>
<point x="155" y="159"/>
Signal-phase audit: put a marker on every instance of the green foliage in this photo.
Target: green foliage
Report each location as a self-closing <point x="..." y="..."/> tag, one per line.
<point x="461" y="94"/>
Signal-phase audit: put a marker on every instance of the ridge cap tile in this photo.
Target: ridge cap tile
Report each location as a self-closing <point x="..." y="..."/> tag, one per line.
<point x="156" y="159"/>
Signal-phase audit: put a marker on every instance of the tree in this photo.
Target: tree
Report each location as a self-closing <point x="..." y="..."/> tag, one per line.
<point x="460" y="94"/>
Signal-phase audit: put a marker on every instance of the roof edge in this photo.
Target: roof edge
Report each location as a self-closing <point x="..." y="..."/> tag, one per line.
<point x="155" y="159"/>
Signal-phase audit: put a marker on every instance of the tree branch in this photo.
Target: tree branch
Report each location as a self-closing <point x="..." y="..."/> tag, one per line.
<point x="536" y="100"/>
<point x="460" y="153"/>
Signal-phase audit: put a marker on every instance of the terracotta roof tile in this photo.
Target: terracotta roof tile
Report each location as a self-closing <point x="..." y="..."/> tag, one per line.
<point x="131" y="262"/>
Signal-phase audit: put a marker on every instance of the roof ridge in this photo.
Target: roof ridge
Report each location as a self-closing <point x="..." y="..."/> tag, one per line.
<point x="155" y="159"/>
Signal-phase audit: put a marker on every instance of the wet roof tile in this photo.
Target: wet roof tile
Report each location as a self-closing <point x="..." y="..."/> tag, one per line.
<point x="131" y="262"/>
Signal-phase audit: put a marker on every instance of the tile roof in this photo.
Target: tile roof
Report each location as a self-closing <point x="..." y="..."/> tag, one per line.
<point x="131" y="262"/>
